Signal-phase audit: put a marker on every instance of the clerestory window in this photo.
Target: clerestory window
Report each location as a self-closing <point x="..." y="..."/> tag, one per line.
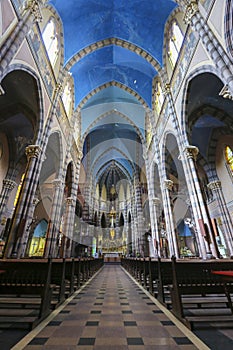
<point x="67" y="98"/>
<point x="176" y="38"/>
<point x="159" y="97"/>
<point x="51" y="41"/>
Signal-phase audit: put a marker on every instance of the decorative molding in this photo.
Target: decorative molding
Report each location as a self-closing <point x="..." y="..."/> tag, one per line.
<point x="166" y="89"/>
<point x="191" y="152"/>
<point x="214" y="185"/>
<point x="34" y="7"/>
<point x="32" y="151"/>
<point x="70" y="201"/>
<point x="226" y="93"/>
<point x="9" y="184"/>
<point x="168" y="184"/>
<point x="35" y="201"/>
<point x="57" y="183"/>
<point x="190" y="11"/>
<point x="58" y="88"/>
<point x="156" y="201"/>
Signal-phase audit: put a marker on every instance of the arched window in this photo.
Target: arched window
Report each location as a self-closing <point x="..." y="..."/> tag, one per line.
<point x="67" y="98"/>
<point x="51" y="41"/>
<point x="159" y="97"/>
<point x="176" y="38"/>
<point x="229" y="157"/>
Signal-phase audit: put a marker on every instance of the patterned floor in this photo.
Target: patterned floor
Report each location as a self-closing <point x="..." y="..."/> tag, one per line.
<point x="111" y="313"/>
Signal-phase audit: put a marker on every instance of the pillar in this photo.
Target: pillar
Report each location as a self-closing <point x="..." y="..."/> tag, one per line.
<point x="170" y="228"/>
<point x="19" y="219"/>
<point x="226" y="219"/>
<point x="207" y="242"/>
<point x="68" y="226"/>
<point x="7" y="186"/>
<point x="53" y="226"/>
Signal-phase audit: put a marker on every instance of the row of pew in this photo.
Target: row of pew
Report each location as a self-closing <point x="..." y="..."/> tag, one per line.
<point x="30" y="289"/>
<point x="191" y="289"/>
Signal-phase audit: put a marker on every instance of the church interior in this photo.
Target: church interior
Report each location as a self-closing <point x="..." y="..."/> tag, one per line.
<point x="116" y="161"/>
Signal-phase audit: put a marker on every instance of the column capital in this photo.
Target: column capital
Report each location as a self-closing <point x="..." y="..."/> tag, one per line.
<point x="34" y="7"/>
<point x="32" y="151"/>
<point x="58" y="88"/>
<point x="35" y="201"/>
<point x="9" y="184"/>
<point x="80" y="155"/>
<point x="137" y="183"/>
<point x="70" y="201"/>
<point x="214" y="185"/>
<point x="166" y="89"/>
<point x="168" y="184"/>
<point x="191" y="8"/>
<point x="226" y="93"/>
<point x="191" y="151"/>
<point x="156" y="201"/>
<point x="57" y="183"/>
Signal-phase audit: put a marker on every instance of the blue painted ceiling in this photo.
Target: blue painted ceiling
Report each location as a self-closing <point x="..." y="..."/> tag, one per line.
<point x="137" y="22"/>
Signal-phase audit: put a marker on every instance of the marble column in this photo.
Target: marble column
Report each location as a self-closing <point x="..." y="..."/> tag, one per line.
<point x="68" y="226"/>
<point x="7" y="186"/>
<point x="54" y="224"/>
<point x="140" y="227"/>
<point x="156" y="237"/>
<point x="170" y="228"/>
<point x="206" y="240"/>
<point x="19" y="219"/>
<point x="226" y="219"/>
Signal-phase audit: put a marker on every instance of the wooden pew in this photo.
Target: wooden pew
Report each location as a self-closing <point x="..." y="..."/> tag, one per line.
<point x="164" y="281"/>
<point x="193" y="283"/>
<point x="25" y="291"/>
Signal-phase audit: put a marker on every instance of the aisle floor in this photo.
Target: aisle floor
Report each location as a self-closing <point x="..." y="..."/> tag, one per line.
<point x="111" y="312"/>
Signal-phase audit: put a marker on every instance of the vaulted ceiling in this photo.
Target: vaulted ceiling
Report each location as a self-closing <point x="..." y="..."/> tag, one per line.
<point x="113" y="49"/>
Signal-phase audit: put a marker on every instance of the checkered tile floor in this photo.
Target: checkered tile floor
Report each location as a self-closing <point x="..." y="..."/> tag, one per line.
<point x="111" y="313"/>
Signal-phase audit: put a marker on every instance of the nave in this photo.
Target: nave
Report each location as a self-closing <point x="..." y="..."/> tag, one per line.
<point x="111" y="312"/>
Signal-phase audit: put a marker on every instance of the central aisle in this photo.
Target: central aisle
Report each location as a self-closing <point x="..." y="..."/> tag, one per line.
<point x="110" y="313"/>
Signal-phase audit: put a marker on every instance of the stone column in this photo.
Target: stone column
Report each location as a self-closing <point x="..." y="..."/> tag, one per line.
<point x="201" y="214"/>
<point x="170" y="228"/>
<point x="150" y="184"/>
<point x="226" y="219"/>
<point x="140" y="228"/>
<point x="155" y="235"/>
<point x="53" y="226"/>
<point x="68" y="227"/>
<point x="7" y="187"/>
<point x="19" y="219"/>
<point x="22" y="249"/>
